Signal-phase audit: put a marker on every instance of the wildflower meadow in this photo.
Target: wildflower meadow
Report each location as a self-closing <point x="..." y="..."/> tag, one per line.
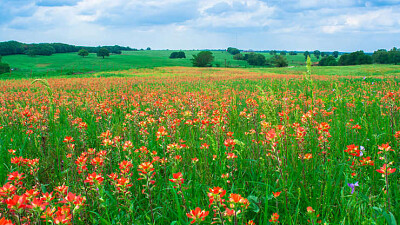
<point x="200" y="146"/>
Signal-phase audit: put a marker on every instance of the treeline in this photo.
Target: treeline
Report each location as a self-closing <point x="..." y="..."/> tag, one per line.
<point x="257" y="59"/>
<point x="14" y="48"/>
<point x="381" y="56"/>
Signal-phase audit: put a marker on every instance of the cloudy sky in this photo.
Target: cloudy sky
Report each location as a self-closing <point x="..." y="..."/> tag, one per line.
<point x="345" y="25"/>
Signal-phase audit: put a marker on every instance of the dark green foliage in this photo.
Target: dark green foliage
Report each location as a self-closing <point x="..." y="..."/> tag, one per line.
<point x="335" y="54"/>
<point x="272" y="52"/>
<point x="63" y="48"/>
<point x="4" y="67"/>
<point x="381" y="56"/>
<point x="117" y="52"/>
<point x="233" y="51"/>
<point x="317" y="54"/>
<point x="238" y="56"/>
<point x="323" y="54"/>
<point x="386" y="57"/>
<point x="14" y="47"/>
<point x="83" y="52"/>
<point x="203" y="59"/>
<point x="355" y="58"/>
<point x="328" y="61"/>
<point x="40" y="49"/>
<point x="103" y="52"/>
<point x="292" y="53"/>
<point x="394" y="56"/>
<point x="177" y="55"/>
<point x="283" y="53"/>
<point x="148" y="48"/>
<point x="279" y="61"/>
<point x="306" y="54"/>
<point x="255" y="59"/>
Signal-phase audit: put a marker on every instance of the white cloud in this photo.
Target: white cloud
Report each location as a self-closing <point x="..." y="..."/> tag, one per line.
<point x="258" y="24"/>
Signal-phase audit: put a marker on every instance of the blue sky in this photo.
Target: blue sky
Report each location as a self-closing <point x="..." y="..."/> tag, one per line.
<point x="327" y="25"/>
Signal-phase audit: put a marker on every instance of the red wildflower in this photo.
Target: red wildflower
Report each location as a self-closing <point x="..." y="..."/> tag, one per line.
<point x="68" y="139"/>
<point x="274" y="218"/>
<point x="4" y="221"/>
<point x="276" y="194"/>
<point x="177" y="179"/>
<point x="94" y="179"/>
<point x="385" y="169"/>
<point x="385" y="147"/>
<point x="197" y="215"/>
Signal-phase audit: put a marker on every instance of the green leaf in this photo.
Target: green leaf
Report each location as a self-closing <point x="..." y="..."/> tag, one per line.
<point x="389" y="218"/>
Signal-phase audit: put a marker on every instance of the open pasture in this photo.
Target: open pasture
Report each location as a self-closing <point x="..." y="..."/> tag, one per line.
<point x="148" y="146"/>
<point x="73" y="65"/>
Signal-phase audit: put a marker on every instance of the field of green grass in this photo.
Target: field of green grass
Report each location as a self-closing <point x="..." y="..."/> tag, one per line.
<point x="70" y="63"/>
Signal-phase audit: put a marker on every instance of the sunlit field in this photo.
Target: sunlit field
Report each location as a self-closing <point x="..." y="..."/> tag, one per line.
<point x="70" y="64"/>
<point x="187" y="145"/>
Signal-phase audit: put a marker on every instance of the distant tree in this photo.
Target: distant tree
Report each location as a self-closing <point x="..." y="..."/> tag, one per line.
<point x="292" y="53"/>
<point x="233" y="51"/>
<point x="12" y="48"/>
<point x="335" y="54"/>
<point x="177" y="55"/>
<point x="328" y="61"/>
<point x="283" y="53"/>
<point x="148" y="48"/>
<point x="255" y="59"/>
<point x="83" y="53"/>
<point x="306" y="54"/>
<point x="394" y="56"/>
<point x="317" y="54"/>
<point x="103" y="52"/>
<point x="381" y="56"/>
<point x="272" y="52"/>
<point x="203" y="59"/>
<point x="355" y="58"/>
<point x="280" y="61"/>
<point x="238" y="56"/>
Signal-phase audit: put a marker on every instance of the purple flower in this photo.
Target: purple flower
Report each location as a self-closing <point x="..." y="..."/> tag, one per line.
<point x="352" y="186"/>
<point x="361" y="150"/>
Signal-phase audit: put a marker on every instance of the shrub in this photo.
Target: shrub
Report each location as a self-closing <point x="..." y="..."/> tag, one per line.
<point x="255" y="59"/>
<point x="203" y="59"/>
<point x="238" y="56"/>
<point x="4" y="68"/>
<point x="328" y="61"/>
<point x="83" y="52"/>
<point x="280" y="61"/>
<point x="177" y="55"/>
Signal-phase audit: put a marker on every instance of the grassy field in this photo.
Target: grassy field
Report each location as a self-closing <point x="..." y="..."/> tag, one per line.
<point x="71" y="63"/>
<point x="245" y="146"/>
